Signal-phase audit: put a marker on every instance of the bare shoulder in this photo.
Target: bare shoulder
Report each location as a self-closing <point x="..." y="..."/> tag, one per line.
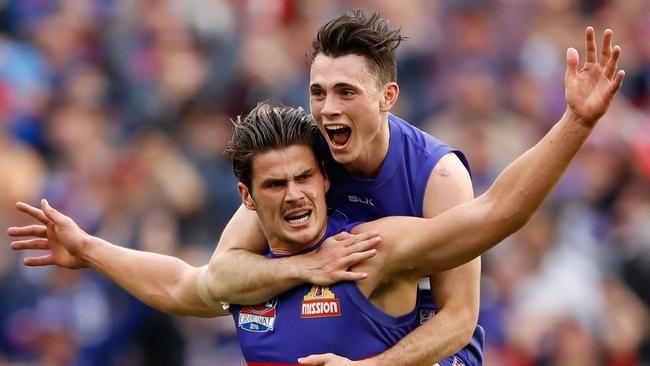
<point x="449" y="185"/>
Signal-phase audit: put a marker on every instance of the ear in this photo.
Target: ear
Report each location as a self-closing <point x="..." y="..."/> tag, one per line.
<point x="246" y="197"/>
<point x="326" y="178"/>
<point x="389" y="96"/>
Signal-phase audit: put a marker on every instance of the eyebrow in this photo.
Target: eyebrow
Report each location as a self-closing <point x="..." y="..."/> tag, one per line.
<point x="305" y="172"/>
<point x="269" y="181"/>
<point x="336" y="86"/>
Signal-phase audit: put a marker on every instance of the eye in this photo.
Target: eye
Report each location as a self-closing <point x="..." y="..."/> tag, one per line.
<point x="317" y="93"/>
<point x="347" y="92"/>
<point x="274" y="184"/>
<point x="303" y="178"/>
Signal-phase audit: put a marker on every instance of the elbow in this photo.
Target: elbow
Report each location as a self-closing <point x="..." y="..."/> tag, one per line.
<point x="466" y="331"/>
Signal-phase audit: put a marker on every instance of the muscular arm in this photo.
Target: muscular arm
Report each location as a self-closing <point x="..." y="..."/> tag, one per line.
<point x="456" y="291"/>
<point x="239" y="273"/>
<point x="163" y="282"/>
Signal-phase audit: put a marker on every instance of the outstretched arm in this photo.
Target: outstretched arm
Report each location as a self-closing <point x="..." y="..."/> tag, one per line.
<point x="163" y="282"/>
<point x="466" y="231"/>
<point x="418" y="246"/>
<point x="239" y="273"/>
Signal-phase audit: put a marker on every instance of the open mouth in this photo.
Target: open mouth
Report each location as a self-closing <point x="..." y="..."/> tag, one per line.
<point x="297" y="217"/>
<point x="339" y="134"/>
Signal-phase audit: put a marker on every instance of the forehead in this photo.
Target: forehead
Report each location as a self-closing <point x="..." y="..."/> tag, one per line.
<point x="351" y="69"/>
<point x="283" y="162"/>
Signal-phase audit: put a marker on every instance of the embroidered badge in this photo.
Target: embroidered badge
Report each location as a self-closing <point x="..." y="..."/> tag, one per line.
<point x="320" y="302"/>
<point x="425" y="314"/>
<point x="458" y="362"/>
<point x="258" y="318"/>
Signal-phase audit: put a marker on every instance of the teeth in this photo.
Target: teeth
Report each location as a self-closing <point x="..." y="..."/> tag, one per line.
<point x="299" y="221"/>
<point x="335" y="127"/>
<point x="299" y="218"/>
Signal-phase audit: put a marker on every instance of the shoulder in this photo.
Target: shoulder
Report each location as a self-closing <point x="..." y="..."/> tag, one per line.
<point x="449" y="185"/>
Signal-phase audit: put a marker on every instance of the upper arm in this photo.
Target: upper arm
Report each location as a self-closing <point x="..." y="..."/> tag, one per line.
<point x="449" y="185"/>
<point x="453" y="235"/>
<point x="243" y="232"/>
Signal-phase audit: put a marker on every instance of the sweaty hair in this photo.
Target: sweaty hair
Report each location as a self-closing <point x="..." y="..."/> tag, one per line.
<point x="266" y="128"/>
<point x="356" y="33"/>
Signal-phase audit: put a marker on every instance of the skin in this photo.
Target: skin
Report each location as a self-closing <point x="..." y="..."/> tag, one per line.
<point x="589" y="91"/>
<point x="345" y="92"/>
<point x="451" y="238"/>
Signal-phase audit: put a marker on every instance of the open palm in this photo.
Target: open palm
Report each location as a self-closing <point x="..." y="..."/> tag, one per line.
<point x="57" y="233"/>
<point x="590" y="90"/>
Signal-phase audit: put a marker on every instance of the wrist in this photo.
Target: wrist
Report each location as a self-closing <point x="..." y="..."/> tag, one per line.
<point x="299" y="269"/>
<point x="88" y="248"/>
<point x="578" y="121"/>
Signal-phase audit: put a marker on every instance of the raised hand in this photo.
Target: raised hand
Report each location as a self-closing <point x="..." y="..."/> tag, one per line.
<point x="329" y="263"/>
<point x="590" y="90"/>
<point x="57" y="233"/>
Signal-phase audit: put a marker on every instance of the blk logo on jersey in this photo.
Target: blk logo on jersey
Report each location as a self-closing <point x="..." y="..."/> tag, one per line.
<point x="320" y="302"/>
<point x="365" y="201"/>
<point x="258" y="318"/>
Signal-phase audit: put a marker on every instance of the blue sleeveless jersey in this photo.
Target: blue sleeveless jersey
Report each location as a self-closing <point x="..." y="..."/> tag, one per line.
<point x="398" y="190"/>
<point x="311" y="319"/>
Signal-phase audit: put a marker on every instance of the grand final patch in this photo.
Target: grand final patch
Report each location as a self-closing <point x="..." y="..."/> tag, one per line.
<point x="320" y="302"/>
<point x="258" y="318"/>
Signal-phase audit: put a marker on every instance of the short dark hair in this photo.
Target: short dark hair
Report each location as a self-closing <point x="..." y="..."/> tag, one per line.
<point x="356" y="33"/>
<point x="269" y="127"/>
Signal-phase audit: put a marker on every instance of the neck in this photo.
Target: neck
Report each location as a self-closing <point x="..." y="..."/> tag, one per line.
<point x="368" y="164"/>
<point x="282" y="247"/>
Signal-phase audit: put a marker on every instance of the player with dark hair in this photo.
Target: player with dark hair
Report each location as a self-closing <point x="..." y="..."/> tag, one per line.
<point x="351" y="107"/>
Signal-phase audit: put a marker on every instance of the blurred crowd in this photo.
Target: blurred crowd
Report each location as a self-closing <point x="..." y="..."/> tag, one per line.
<point x="118" y="112"/>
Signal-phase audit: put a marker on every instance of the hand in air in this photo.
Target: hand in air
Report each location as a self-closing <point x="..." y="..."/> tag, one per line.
<point x="590" y="90"/>
<point x="56" y="233"/>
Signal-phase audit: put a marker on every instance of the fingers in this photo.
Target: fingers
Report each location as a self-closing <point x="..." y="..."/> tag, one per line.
<point x="572" y="60"/>
<point x="32" y="211"/>
<point x="590" y="43"/>
<point x="342" y="235"/>
<point x="355" y="258"/>
<point x="32" y="244"/>
<point x="618" y="81"/>
<point x="315" y="360"/>
<point x="610" y="68"/>
<point x="357" y="238"/>
<point x="31" y="230"/>
<point x="363" y="245"/>
<point x="347" y="276"/>
<point x="606" y="53"/>
<point x="44" y="260"/>
<point x="51" y="212"/>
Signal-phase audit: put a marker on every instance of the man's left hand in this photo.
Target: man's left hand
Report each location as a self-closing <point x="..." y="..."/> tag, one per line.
<point x="327" y="359"/>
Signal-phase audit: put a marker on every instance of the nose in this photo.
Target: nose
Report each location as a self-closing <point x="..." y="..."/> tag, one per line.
<point x="331" y="107"/>
<point x="294" y="193"/>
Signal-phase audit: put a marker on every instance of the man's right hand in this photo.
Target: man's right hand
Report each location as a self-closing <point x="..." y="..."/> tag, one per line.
<point x="329" y="263"/>
<point x="58" y="234"/>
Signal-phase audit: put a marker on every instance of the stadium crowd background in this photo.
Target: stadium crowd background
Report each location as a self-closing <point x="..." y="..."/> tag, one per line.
<point x="118" y="112"/>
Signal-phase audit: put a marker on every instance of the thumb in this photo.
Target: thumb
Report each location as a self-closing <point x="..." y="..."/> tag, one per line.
<point x="572" y="60"/>
<point x="315" y="360"/>
<point x="51" y="212"/>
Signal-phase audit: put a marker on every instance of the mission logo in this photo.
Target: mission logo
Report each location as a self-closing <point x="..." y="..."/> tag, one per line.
<point x="320" y="302"/>
<point x="258" y="318"/>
